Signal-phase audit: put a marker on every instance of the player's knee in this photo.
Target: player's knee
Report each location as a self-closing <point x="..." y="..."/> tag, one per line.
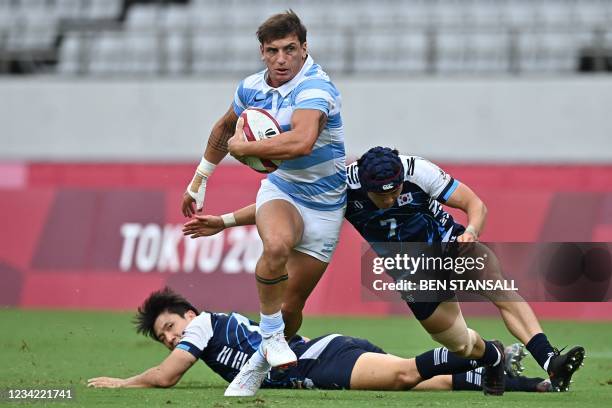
<point x="461" y="346"/>
<point x="466" y="344"/>
<point x="406" y="374"/>
<point x="276" y="252"/>
<point x="406" y="379"/>
<point x="458" y="339"/>
<point x="463" y="350"/>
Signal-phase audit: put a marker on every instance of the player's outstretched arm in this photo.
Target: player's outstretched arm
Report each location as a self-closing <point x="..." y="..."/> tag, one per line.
<point x="306" y="125"/>
<point x="208" y="225"/>
<point x="216" y="150"/>
<point x="466" y="200"/>
<point x="165" y="375"/>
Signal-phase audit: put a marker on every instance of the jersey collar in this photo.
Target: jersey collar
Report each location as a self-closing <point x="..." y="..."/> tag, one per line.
<point x="287" y="87"/>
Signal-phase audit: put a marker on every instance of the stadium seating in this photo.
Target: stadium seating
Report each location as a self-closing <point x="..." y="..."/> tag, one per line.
<point x="196" y="37"/>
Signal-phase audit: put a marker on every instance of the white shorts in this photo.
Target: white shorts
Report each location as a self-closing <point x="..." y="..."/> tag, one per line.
<point x="321" y="228"/>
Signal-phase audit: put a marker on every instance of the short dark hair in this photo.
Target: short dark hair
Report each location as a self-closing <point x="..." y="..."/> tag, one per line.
<point x="280" y="26"/>
<point x="158" y="302"/>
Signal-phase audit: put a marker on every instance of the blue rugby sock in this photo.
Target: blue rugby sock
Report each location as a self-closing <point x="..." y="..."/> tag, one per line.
<point x="491" y="356"/>
<point x="468" y="381"/>
<point x="541" y="349"/>
<point x="441" y="361"/>
<point x="472" y="381"/>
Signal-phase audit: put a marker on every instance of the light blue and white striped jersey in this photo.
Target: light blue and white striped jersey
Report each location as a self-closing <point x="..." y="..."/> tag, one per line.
<point x="316" y="181"/>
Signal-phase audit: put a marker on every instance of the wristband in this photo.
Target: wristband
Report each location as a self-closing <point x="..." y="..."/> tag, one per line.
<point x="205" y="168"/>
<point x="472" y="231"/>
<point x="229" y="220"/>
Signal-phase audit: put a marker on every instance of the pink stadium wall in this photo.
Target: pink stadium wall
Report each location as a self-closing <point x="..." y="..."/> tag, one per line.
<point x="102" y="236"/>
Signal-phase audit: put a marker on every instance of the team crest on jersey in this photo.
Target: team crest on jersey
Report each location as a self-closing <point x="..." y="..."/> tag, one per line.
<point x="404" y="199"/>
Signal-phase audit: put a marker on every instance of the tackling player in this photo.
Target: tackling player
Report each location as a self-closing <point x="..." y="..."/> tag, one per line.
<point x="405" y="193"/>
<point x="299" y="207"/>
<point x="225" y="342"/>
<point x="396" y="198"/>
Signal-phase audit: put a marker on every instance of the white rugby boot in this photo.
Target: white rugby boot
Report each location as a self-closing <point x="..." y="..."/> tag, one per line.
<point x="276" y="350"/>
<point x="248" y="381"/>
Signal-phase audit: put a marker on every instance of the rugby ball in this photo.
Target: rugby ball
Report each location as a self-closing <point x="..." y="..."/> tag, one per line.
<point x="260" y="125"/>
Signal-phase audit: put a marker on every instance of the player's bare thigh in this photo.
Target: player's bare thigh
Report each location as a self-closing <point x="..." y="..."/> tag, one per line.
<point x="279" y="223"/>
<point x="385" y="372"/>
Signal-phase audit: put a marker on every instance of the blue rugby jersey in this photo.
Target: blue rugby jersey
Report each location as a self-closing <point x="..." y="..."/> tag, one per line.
<point x="226" y="342"/>
<point x="416" y="216"/>
<point x="317" y="181"/>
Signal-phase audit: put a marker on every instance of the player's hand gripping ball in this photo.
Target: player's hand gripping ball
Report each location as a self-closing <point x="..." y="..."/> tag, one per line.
<point x="259" y="125"/>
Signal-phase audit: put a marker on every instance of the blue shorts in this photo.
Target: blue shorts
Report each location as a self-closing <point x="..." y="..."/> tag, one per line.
<point x="326" y="362"/>
<point x="423" y="310"/>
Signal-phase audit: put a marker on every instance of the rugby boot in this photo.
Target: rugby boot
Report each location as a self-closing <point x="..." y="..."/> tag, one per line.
<point x="514" y="359"/>
<point x="276" y="351"/>
<point x="248" y="381"/>
<point x="562" y="366"/>
<point x="494" y="379"/>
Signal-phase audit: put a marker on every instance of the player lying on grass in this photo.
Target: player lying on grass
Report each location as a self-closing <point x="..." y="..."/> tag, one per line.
<point x="394" y="198"/>
<point x="225" y="342"/>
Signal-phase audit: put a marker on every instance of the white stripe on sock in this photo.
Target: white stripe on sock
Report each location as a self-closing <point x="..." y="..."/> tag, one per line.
<point x="547" y="362"/>
<point x="498" y="357"/>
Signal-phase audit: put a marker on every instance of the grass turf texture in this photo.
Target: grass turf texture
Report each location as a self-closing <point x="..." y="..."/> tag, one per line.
<point x="62" y="349"/>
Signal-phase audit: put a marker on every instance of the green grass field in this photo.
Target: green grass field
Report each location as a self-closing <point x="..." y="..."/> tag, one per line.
<point x="61" y="349"/>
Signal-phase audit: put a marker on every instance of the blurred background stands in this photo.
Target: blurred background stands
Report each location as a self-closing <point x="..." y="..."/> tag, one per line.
<point x="216" y="37"/>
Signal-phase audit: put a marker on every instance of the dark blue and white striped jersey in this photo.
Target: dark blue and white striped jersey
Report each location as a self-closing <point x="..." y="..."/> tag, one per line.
<point x="416" y="216"/>
<point x="223" y="342"/>
<point x="316" y="181"/>
<point x="226" y="342"/>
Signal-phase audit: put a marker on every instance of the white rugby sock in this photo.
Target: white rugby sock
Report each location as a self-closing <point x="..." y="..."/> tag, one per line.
<point x="270" y="324"/>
